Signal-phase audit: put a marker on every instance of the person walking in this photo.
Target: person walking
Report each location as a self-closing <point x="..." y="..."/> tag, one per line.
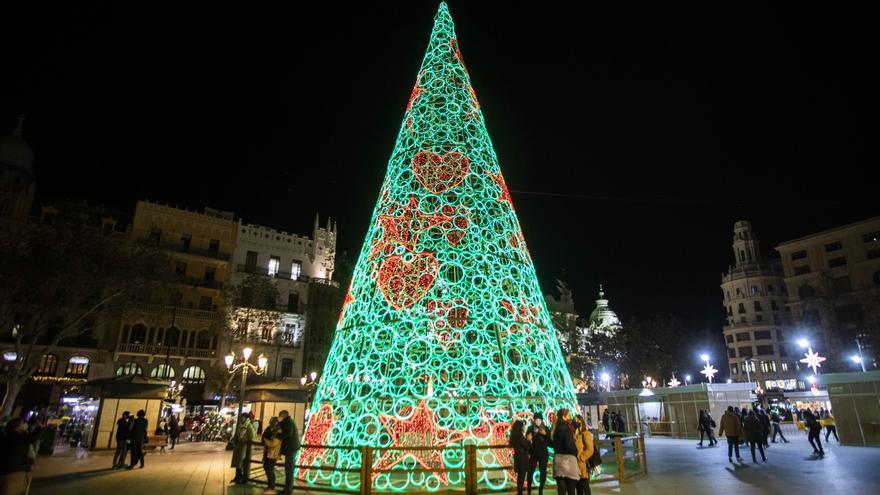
<point x="538" y="453"/>
<point x="241" y="450"/>
<point x="765" y="427"/>
<point x="606" y="422"/>
<point x="705" y="425"/>
<point x="777" y="430"/>
<point x="520" y="443"/>
<point x="755" y="435"/>
<point x="123" y="434"/>
<point x="16" y="460"/>
<point x="289" y="446"/>
<point x="173" y="430"/>
<point x="711" y="431"/>
<point x="732" y="428"/>
<point x="830" y="426"/>
<point x="583" y="440"/>
<point x="565" y="466"/>
<point x="814" y="429"/>
<point x="271" y="451"/>
<point x="138" y="437"/>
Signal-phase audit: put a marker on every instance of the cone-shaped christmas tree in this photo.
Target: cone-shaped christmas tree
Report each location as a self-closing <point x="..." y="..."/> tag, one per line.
<point x="444" y="337"/>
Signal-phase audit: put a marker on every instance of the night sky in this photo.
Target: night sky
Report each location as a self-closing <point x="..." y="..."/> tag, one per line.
<point x="633" y="139"/>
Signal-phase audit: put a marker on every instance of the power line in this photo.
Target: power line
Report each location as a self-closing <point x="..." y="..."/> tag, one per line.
<point x="691" y="201"/>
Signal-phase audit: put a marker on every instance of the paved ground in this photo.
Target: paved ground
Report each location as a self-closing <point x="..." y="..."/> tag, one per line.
<point x="674" y="465"/>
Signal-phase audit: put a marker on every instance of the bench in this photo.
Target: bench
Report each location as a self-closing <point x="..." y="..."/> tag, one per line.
<point x="156" y="441"/>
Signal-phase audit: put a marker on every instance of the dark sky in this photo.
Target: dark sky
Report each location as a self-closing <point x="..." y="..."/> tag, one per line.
<point x="669" y="124"/>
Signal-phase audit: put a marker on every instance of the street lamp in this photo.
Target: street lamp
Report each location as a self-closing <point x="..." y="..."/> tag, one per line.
<point x="687" y="379"/>
<point x="858" y="360"/>
<point x="606" y="379"/>
<point x="804" y="343"/>
<point x="245" y="366"/>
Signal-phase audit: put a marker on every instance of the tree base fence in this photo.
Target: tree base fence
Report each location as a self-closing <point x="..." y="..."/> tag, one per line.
<point x="485" y="469"/>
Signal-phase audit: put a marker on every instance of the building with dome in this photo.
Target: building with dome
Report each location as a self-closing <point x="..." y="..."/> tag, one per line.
<point x="603" y="319"/>
<point x="16" y="178"/>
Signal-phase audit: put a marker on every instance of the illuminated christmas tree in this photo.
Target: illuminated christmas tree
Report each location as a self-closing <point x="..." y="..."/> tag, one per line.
<point x="444" y="337"/>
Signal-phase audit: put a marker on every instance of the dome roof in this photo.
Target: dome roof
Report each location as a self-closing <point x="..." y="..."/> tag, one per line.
<point x="603" y="316"/>
<point x="16" y="152"/>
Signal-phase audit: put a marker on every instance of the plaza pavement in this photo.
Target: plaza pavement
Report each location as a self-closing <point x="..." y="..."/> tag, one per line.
<point x="676" y="467"/>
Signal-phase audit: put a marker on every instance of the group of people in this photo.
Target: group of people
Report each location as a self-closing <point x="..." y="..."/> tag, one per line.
<point x="131" y="435"/>
<point x="279" y="438"/>
<point x="18" y="452"/>
<point x="614" y="423"/>
<point x="755" y="427"/>
<point x="575" y="455"/>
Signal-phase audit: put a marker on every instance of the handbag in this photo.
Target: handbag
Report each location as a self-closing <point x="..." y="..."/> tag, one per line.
<point x="595" y="460"/>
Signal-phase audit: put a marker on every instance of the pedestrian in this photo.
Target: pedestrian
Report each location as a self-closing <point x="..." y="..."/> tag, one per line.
<point x="241" y="450"/>
<point x="704" y="424"/>
<point x="606" y="422"/>
<point x="755" y="435"/>
<point x="289" y="446"/>
<point x="173" y="430"/>
<point x="123" y="432"/>
<point x="732" y="428"/>
<point x="620" y="423"/>
<point x="538" y="453"/>
<point x="271" y="451"/>
<point x="830" y="426"/>
<point x="711" y="431"/>
<point x="138" y="437"/>
<point x="16" y="456"/>
<point x="813" y="431"/>
<point x="583" y="440"/>
<point x="521" y="443"/>
<point x="765" y="427"/>
<point x="565" y="465"/>
<point x="774" y="422"/>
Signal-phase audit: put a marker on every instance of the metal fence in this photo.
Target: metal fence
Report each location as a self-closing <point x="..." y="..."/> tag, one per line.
<point x="623" y="458"/>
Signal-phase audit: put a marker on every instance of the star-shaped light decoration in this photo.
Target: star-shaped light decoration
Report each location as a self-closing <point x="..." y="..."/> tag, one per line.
<point x="674" y="382"/>
<point x="813" y="360"/>
<point x="504" y="196"/>
<point x="419" y="429"/>
<point x="709" y="371"/>
<point x="405" y="229"/>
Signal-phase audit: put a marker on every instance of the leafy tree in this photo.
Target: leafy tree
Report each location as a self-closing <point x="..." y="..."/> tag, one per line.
<point x="62" y="281"/>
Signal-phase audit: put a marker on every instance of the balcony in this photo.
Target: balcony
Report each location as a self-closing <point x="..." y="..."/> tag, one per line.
<point x="176" y="310"/>
<point x="285" y="275"/>
<point x="283" y="339"/>
<point x="178" y="247"/>
<point x="161" y="350"/>
<point x="200" y="282"/>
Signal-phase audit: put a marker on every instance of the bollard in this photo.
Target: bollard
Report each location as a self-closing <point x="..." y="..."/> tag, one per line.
<point x="470" y="470"/>
<point x="618" y="447"/>
<point x="366" y="470"/>
<point x="644" y="455"/>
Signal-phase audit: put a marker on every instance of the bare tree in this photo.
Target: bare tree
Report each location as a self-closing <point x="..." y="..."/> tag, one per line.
<point x="62" y="281"/>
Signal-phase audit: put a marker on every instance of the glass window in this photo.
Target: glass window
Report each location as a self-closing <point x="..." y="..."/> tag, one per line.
<point x="770" y="289"/>
<point x="762" y="335"/>
<point x="802" y="270"/>
<point x="286" y="368"/>
<point x="835" y="262"/>
<point x="77" y="367"/>
<point x="274" y="265"/>
<point x="784" y="366"/>
<point x="765" y="350"/>
<point x="731" y="352"/>
<point x="250" y="260"/>
<point x="293" y="302"/>
<point x="742" y="308"/>
<point x="163" y="371"/>
<point x="834" y="246"/>
<point x="193" y="374"/>
<point x="186" y="241"/>
<point x="734" y="369"/>
<point x="729" y="339"/>
<point x="806" y="292"/>
<point x="758" y="306"/>
<point x="764" y="367"/>
<point x="295" y="269"/>
<point x="798" y="255"/>
<point x="773" y="305"/>
<point x="872" y="237"/>
<point x="754" y="289"/>
<point x="873" y="254"/>
<point x="745" y="352"/>
<point x="48" y="365"/>
<point x="129" y="368"/>
<point x="772" y="366"/>
<point x="743" y="336"/>
<point x="214" y="247"/>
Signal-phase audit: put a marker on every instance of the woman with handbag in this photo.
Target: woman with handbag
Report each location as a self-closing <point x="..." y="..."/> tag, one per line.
<point x="583" y="439"/>
<point x="271" y="451"/>
<point x="565" y="465"/>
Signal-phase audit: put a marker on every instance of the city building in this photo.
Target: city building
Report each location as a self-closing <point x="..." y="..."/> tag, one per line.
<point x="294" y="264"/>
<point x="17" y="183"/>
<point x="603" y="319"/>
<point x="833" y="279"/>
<point x="754" y="298"/>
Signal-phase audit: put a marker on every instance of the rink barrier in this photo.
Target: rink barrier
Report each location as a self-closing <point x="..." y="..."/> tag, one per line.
<point x="623" y="456"/>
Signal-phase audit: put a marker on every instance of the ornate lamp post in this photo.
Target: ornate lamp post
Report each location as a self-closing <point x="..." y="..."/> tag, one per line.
<point x="245" y="366"/>
<point x="310" y="383"/>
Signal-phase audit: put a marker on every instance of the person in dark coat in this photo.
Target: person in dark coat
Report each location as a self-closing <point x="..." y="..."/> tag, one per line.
<point x="289" y="446"/>
<point x="755" y="435"/>
<point x="565" y="465"/>
<point x="123" y="431"/>
<point x="765" y="426"/>
<point x="15" y="463"/>
<point x="173" y="430"/>
<point x="705" y="425"/>
<point x="139" y="428"/>
<point x="813" y="432"/>
<point x="521" y="446"/>
<point x="606" y="422"/>
<point x="774" y="423"/>
<point x="538" y="453"/>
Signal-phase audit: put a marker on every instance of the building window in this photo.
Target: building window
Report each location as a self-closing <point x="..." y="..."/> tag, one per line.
<point x="782" y="288"/>
<point x="798" y="255"/>
<point x="129" y="368"/>
<point x="731" y="352"/>
<point x="77" y="367"/>
<point x="729" y="339"/>
<point x="759" y="317"/>
<point x="834" y="246"/>
<point x="872" y="237"/>
<point x="293" y="302"/>
<point x="730" y="311"/>
<point x="266" y="332"/>
<point x="250" y="261"/>
<point x="180" y="269"/>
<point x="210" y="274"/>
<point x="286" y="368"/>
<point x="806" y="292"/>
<point x="742" y="319"/>
<point x="48" y="365"/>
<point x="738" y="292"/>
<point x="162" y="372"/>
<point x="765" y="368"/>
<point x="734" y="369"/>
<point x="193" y="374"/>
<point x="214" y="247"/>
<point x="772" y="366"/>
<point x="773" y="306"/>
<point x="206" y="303"/>
<point x="765" y="350"/>
<point x="749" y="365"/>
<point x="762" y="335"/>
<point x="835" y="262"/>
<point x="873" y="254"/>
<point x="186" y="241"/>
<point x="155" y="235"/>
<point x="742" y="308"/>
<point x="802" y="270"/>
<point x="782" y="351"/>
<point x="754" y="289"/>
<point x="841" y="285"/>
<point x="745" y="352"/>
<point x="295" y="269"/>
<point x="728" y="295"/>
<point x="274" y="265"/>
<point x="742" y="336"/>
<point x="770" y="289"/>
<point x="758" y="306"/>
<point x="784" y="366"/>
